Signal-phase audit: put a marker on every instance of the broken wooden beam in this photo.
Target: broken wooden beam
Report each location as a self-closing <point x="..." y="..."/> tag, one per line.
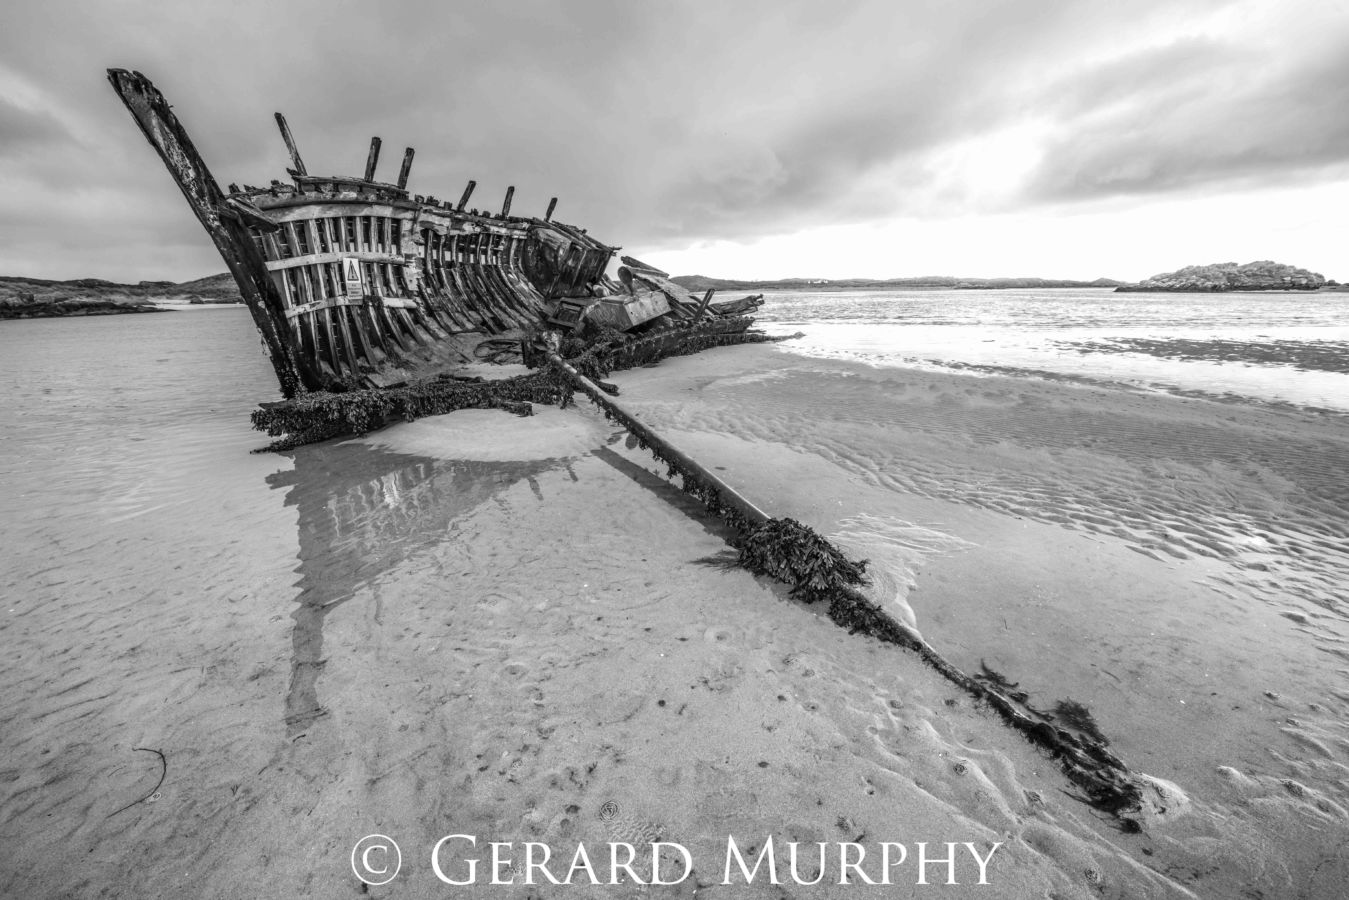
<point x="373" y="159"/>
<point x="506" y="205"/>
<point x="468" y="192"/>
<point x="642" y="267"/>
<point x="552" y="205"/>
<point x="290" y="145"/>
<point x="702" y="307"/>
<point x="407" y="167"/>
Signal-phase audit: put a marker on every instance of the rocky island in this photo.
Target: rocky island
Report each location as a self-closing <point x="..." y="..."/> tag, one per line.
<point x="40" y="298"/>
<point x="1262" y="275"/>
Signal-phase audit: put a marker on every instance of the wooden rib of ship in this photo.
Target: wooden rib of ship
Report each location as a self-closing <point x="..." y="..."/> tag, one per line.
<point x="356" y="283"/>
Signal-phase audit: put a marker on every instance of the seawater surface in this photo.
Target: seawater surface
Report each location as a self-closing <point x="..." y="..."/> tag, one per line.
<point x="1274" y="347"/>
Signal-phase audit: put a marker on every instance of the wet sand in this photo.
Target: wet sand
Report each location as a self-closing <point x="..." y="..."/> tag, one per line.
<point x="517" y="629"/>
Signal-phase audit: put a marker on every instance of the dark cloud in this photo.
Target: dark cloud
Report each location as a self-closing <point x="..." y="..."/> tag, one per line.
<point x="655" y="124"/>
<point x="1200" y="113"/>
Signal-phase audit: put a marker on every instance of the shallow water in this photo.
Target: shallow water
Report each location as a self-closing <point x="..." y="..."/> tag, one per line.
<point x="1095" y="335"/>
<point x="130" y="493"/>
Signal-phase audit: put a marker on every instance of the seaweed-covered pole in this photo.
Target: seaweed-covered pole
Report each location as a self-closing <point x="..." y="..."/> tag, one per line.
<point x="796" y="555"/>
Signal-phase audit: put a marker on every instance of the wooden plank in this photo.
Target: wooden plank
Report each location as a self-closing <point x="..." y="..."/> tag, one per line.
<point x="247" y="214"/>
<point x="454" y="291"/>
<point x="339" y="314"/>
<point x="355" y="325"/>
<point x="332" y="256"/>
<point x="407" y="167"/>
<point x="463" y="271"/>
<point x="362" y="311"/>
<point x="324" y="347"/>
<point x="313" y="350"/>
<point x="506" y="205"/>
<point x="437" y="242"/>
<point x="482" y="276"/>
<point x="552" y="205"/>
<point x="333" y="353"/>
<point x="468" y="192"/>
<point x="313" y="274"/>
<point x="390" y="325"/>
<point x="411" y="328"/>
<point x="394" y="308"/>
<point x="455" y="269"/>
<point x="641" y="266"/>
<point x="517" y="274"/>
<point x="524" y="314"/>
<point x="308" y="208"/>
<point x="474" y="296"/>
<point x="372" y="160"/>
<point x="702" y="307"/>
<point x="301" y="292"/>
<point x="449" y="303"/>
<point x="290" y="145"/>
<point x="499" y="295"/>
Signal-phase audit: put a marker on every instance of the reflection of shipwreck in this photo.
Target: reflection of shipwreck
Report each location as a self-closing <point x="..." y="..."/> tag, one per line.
<point x="363" y="512"/>
<point x="357" y="284"/>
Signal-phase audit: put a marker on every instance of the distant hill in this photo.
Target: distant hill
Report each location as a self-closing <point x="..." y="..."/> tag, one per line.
<point x="26" y="298"/>
<point x="697" y="283"/>
<point x="1262" y="275"/>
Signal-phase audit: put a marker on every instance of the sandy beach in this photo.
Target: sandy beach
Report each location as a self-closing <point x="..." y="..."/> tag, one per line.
<point x="516" y="629"/>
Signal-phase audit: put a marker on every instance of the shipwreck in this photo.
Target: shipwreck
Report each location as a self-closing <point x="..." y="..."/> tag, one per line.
<point x="371" y="300"/>
<point x="369" y="297"/>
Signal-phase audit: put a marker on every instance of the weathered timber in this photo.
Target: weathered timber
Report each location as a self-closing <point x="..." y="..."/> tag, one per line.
<point x="372" y="160"/>
<point x="290" y="147"/>
<point x="702" y="307"/>
<point x="641" y="266"/>
<point x="463" y="199"/>
<point x="358" y="284"/>
<point x="161" y="128"/>
<point x="552" y="205"/>
<point x="406" y="169"/>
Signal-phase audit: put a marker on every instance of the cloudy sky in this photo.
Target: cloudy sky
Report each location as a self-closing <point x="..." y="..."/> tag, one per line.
<point x="879" y="138"/>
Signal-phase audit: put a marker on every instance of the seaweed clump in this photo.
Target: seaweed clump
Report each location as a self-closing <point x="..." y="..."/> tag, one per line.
<point x="1077" y="716"/>
<point x="796" y="555"/>
<point x="319" y="415"/>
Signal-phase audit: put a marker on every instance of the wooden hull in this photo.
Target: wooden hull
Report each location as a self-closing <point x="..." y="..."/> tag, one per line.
<point x="355" y="283"/>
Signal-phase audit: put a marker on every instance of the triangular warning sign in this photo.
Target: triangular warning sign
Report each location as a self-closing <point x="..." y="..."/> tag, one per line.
<point x="351" y="274"/>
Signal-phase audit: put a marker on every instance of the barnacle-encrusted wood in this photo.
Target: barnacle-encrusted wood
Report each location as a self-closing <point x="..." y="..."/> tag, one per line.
<point x="355" y="283"/>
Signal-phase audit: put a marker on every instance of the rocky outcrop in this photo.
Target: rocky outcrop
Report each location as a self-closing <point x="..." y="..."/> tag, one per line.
<point x="1262" y="275"/>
